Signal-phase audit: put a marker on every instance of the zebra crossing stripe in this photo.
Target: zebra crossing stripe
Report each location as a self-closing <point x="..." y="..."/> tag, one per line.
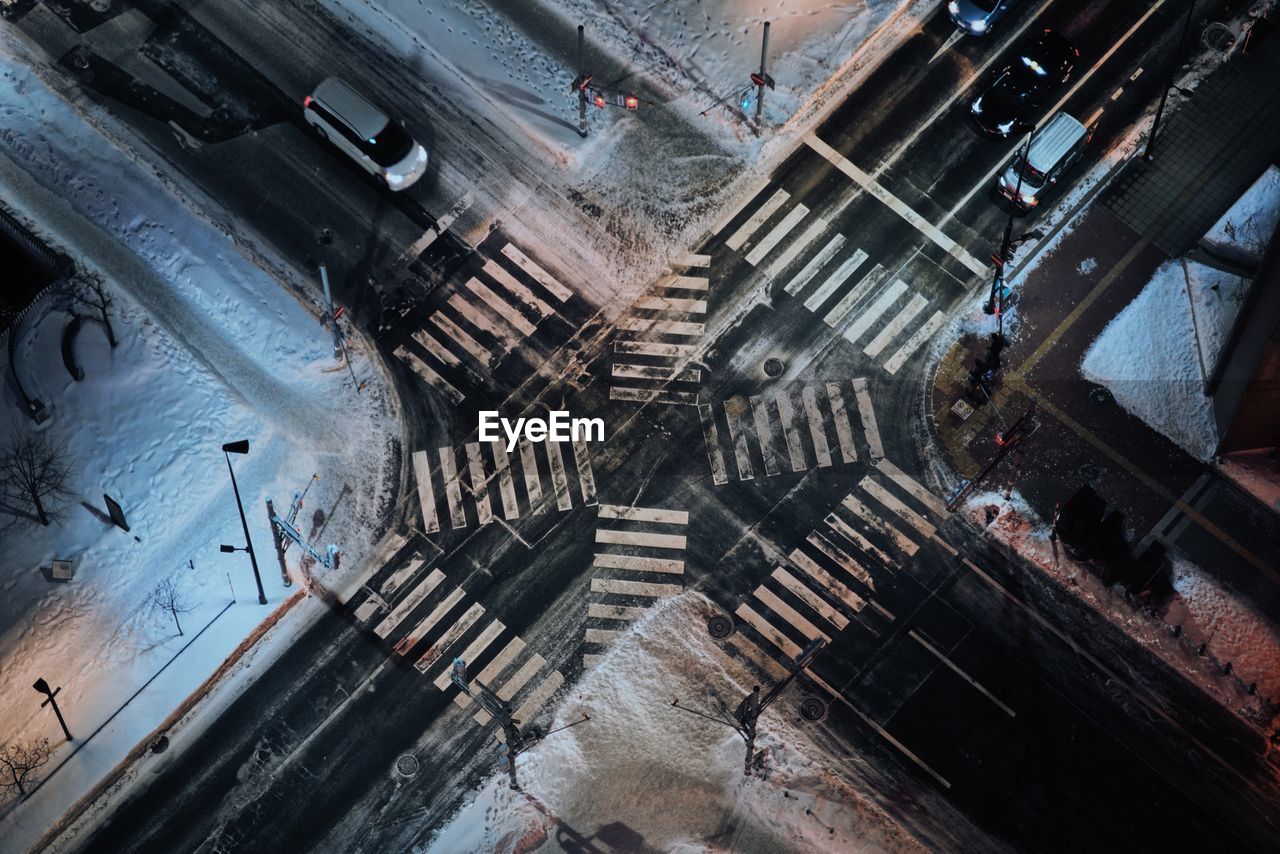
<point x="791" y="615"/>
<point x="640" y="538"/>
<point x="868" y="416"/>
<point x="421" y="630"/>
<point x="841" y="275"/>
<point x="661" y="395"/>
<point x="774" y="237"/>
<point x="755" y="656"/>
<point x="766" y="629"/>
<point x="878" y="307"/>
<point x="845" y="560"/>
<point x="471" y="345"/>
<point x="865" y="513"/>
<point x="452" y="488"/>
<point x="757" y="219"/>
<point x="692" y="260"/>
<point x="504" y="309"/>
<point x="603" y="637"/>
<point x="894" y="327"/>
<point x="539" y="697"/>
<point x="786" y="417"/>
<point x="855" y="536"/>
<point x="914" y="489"/>
<point x="639" y="564"/>
<point x="500" y="663"/>
<point x="516" y="288"/>
<point x="655" y="372"/>
<point x="505" y="337"/>
<point x="690" y="283"/>
<point x="711" y="437"/>
<point x="506" y="483"/>
<point x="535" y="272"/>
<point x="521" y="676"/>
<point x="559" y="480"/>
<point x="586" y="476"/>
<point x="809" y="235"/>
<point x="808" y="597"/>
<point x="809" y="397"/>
<point x="401" y="575"/>
<point x="473" y="650"/>
<point x="428" y="374"/>
<point x="654" y="348"/>
<point x="590" y="660"/>
<point x="672" y="304"/>
<point x="426" y="494"/>
<point x="646" y="589"/>
<point x="597" y="611"/>
<point x="911" y="517"/>
<point x="532" y="483"/>
<point x="734" y="407"/>
<point x="747" y="198"/>
<point x="764" y="435"/>
<point x="435" y="348"/>
<point x="827" y="581"/>
<point x="479" y="483"/>
<point x="408" y="603"/>
<point x="367" y="608"/>
<point x="865" y="285"/>
<point x="644" y="514"/>
<point x="656" y="326"/>
<point x="844" y="430"/>
<point x="815" y="264"/>
<point x="924" y="333"/>
<point x="839" y="556"/>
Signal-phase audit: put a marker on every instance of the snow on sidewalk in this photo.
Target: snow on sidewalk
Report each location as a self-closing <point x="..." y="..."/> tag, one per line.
<point x="641" y="775"/>
<point x="212" y="349"/>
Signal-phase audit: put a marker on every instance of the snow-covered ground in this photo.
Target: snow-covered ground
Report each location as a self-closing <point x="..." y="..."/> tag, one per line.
<point x="1244" y="231"/>
<point x="643" y="776"/>
<point x="212" y="349"/>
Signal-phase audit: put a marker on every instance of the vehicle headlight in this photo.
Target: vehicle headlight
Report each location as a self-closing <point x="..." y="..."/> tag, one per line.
<point x="979" y="26"/>
<point x="1005" y="127"/>
<point x="393" y="180"/>
<point x="976" y="106"/>
<point x="953" y="7"/>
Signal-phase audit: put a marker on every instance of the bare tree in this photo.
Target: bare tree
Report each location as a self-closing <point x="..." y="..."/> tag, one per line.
<point x="18" y="764"/>
<point x="34" y="470"/>
<point x="167" y="596"/>
<point x="91" y="292"/>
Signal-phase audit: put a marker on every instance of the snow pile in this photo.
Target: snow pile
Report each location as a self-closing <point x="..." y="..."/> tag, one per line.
<point x="643" y="776"/>
<point x="211" y="350"/>
<point x="1244" y="231"/>
<point x="1155" y="354"/>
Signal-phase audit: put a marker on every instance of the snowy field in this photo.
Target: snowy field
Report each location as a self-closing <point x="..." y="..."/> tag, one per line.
<point x="643" y="776"/>
<point x="212" y="349"/>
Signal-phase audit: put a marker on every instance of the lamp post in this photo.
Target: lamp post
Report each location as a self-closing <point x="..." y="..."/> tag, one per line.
<point x="1149" y="153"/>
<point x="242" y="447"/>
<point x="43" y="687"/>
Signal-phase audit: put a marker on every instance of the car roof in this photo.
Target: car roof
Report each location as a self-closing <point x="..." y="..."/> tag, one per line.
<point x="1053" y="140"/>
<point x="350" y="106"/>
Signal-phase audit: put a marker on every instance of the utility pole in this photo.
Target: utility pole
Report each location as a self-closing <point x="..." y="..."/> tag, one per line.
<point x="331" y="317"/>
<point x="1149" y="153"/>
<point x="1013" y="439"/>
<point x="242" y="447"/>
<point x="581" y="83"/>
<point x="43" y="687"/>
<point x="762" y="79"/>
<point x="995" y="302"/>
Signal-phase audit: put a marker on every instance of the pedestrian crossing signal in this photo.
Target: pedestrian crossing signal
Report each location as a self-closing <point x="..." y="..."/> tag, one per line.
<point x="631" y="102"/>
<point x="599" y="100"/>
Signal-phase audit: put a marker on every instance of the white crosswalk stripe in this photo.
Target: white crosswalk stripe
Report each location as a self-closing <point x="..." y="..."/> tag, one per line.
<point x="895" y="326"/>
<point x="786" y="417"/>
<point x="473" y="650"/>
<point x="415" y="598"/>
<point x="878" y="307"/>
<point x="809" y="397"/>
<point x="797" y="248"/>
<point x="711" y="437"/>
<point x="911" y="517"/>
<point x="539" y="697"/>
<point x="914" y="489"/>
<point x="734" y="408"/>
<point x="452" y="488"/>
<point x="815" y="602"/>
<point x="426" y="494"/>
<point x="909" y="347"/>
<point x="644" y="514"/>
<point x="541" y="276"/>
<point x="844" y="430"/>
<point x="774" y="237"/>
<point x="828" y="581"/>
<point x="837" y="278"/>
<point x="815" y="264"/>
<point x="429" y="374"/>
<point x="878" y="523"/>
<point x="865" y="285"/>
<point x="868" y="415"/>
<point x="757" y="219"/>
<point x="764" y="434"/>
<point x="423" y="628"/>
<point x="479" y="483"/>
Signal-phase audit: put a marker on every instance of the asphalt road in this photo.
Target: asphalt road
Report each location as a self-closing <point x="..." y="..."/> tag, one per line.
<point x="983" y="707"/>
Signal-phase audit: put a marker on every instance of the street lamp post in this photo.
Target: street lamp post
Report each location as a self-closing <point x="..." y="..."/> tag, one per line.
<point x="1149" y="153"/>
<point x="43" y="687"/>
<point x="242" y="447"/>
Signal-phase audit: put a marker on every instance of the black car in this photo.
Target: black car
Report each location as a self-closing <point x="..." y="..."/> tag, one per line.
<point x="1021" y="85"/>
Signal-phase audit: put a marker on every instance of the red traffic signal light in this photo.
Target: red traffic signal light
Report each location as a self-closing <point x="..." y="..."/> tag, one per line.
<point x="631" y="102"/>
<point x="599" y="100"/>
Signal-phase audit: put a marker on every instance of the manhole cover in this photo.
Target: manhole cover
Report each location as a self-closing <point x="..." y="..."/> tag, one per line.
<point x="407" y="765"/>
<point x="1089" y="472"/>
<point x="1101" y="396"/>
<point x="326" y="236"/>
<point x="773" y="367"/>
<point x="813" y="709"/>
<point x="720" y="626"/>
<point x="160" y="745"/>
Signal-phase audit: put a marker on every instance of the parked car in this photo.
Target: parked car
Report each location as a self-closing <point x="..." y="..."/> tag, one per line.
<point x="1054" y="149"/>
<point x="344" y="117"/>
<point x="976" y="17"/>
<point x="1005" y="103"/>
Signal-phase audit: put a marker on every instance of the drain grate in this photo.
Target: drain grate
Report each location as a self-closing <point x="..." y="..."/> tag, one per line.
<point x="720" y="626"/>
<point x="407" y="765"/>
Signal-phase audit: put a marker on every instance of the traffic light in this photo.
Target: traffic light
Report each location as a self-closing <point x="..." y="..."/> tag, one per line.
<point x="631" y="102"/>
<point x="599" y="100"/>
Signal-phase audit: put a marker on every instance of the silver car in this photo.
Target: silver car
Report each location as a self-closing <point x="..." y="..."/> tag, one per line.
<point x="976" y="17"/>
<point x="364" y="133"/>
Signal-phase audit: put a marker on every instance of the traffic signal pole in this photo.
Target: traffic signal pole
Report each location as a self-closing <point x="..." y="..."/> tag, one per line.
<point x="763" y="79"/>
<point x="582" y="88"/>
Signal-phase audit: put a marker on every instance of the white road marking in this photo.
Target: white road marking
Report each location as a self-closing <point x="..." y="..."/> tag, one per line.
<point x="401" y="575"/>
<point x="435" y="348"/>
<point x="506" y="483"/>
<point x="853" y="535"/>
<point x="367" y="609"/>
<point x="660" y="395"/>
<point x="828" y="581"/>
<point x="748" y="197"/>
<point x="654" y="348"/>
<point x="911" y="517"/>
<point x="965" y="676"/>
<point x="757" y="219"/>
<point x="656" y="326"/>
<point x="421" y="630"/>
<point x="946" y="45"/>
<point x="924" y="333"/>
<point x="645" y="589"/>
<point x="639" y="564"/>
<point x="808" y="597"/>
<point x="414" y="598"/>
<point x="844" y="430"/>
<point x="480" y="320"/>
<point x="868" y="416"/>
<point x="873" y="312"/>
<point x="817" y="431"/>
<point x="776" y="235"/>
<point x="504" y="309"/>
<point x="644" y="514"/>
<point x="911" y="487"/>
<point x="841" y="310"/>
<point x="692" y="260"/>
<point x="734" y="408"/>
<point x="473" y="651"/>
<point x="640" y="538"/>
<point x="521" y="676"/>
<point x="532" y="482"/>
<point x="756" y="656"/>
<point x="816" y="263"/>
<point x="786" y="416"/>
<point x="711" y="438"/>
<point x="535" y="272"/>
<point x="810" y="234"/>
<point x="767" y="630"/>
<point x="626" y="371"/>
<point x="672" y="304"/>
<point x="452" y="488"/>
<point x="689" y="283"/>
<point x="586" y="475"/>
<point x="601" y="636"/>
<point x="500" y="663"/>
<point x="559" y="480"/>
<point x="865" y="513"/>
<point x="479" y="483"/>
<point x="442" y="225"/>
<point x="597" y="611"/>
<point x="539" y="697"/>
<point x="894" y="327"/>
<point x="896" y="205"/>
<point x="428" y="374"/>
<point x="426" y="494"/>
<point x="516" y="288"/>
<point x="791" y="615"/>
<point x="837" y="278"/>
<point x="455" y="332"/>
<point x="842" y="558"/>
<point x="764" y="435"/>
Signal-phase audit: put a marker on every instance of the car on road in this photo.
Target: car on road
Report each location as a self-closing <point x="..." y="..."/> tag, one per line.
<point x="1003" y="106"/>
<point x="348" y="120"/>
<point x="977" y="17"/>
<point x="1054" y="149"/>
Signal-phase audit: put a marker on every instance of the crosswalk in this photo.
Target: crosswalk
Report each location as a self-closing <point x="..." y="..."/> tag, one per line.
<point x="498" y="311"/>
<point x="480" y="481"/>
<point x="639" y="559"/>
<point x="433" y="622"/>
<point x="790" y="429"/>
<point x="866" y="302"/>
<point x="658" y="337"/>
<point x="828" y="584"/>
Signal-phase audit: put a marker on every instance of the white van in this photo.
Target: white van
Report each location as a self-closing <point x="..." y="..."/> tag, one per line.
<point x="344" y="117"/>
<point x="1054" y="149"/>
